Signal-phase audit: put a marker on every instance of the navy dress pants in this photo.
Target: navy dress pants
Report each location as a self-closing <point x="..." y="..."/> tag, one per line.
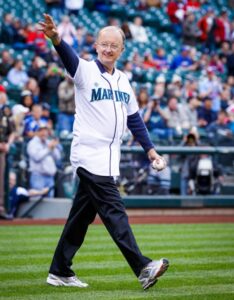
<point x="96" y="194"/>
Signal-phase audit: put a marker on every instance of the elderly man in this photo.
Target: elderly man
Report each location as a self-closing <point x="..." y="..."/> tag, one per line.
<point x="105" y="104"/>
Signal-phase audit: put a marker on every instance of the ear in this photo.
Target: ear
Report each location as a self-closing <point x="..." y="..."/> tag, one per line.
<point x="95" y="46"/>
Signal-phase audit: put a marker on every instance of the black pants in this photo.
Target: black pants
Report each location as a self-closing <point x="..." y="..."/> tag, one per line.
<point x="96" y="194"/>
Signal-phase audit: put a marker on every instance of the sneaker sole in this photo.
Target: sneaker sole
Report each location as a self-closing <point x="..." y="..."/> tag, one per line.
<point x="158" y="273"/>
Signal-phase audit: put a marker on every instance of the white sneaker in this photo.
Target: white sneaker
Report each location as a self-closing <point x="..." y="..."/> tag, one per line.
<point x="65" y="281"/>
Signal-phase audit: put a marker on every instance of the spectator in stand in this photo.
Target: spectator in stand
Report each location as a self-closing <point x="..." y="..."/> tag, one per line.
<point x="46" y="115"/>
<point x="142" y="100"/>
<point x="154" y="118"/>
<point x="128" y="70"/>
<point x="203" y="62"/>
<point x="136" y="60"/>
<point x="19" y="113"/>
<point x="191" y="113"/>
<point x="44" y="155"/>
<point x="216" y="64"/>
<point x="88" y="43"/>
<point x="6" y="62"/>
<point x="211" y="87"/>
<point x="148" y="62"/>
<point x="189" y="164"/>
<point x="27" y="99"/>
<point x="206" y="25"/>
<point x="175" y="11"/>
<point x="190" y="89"/>
<point x="80" y="37"/>
<point x="67" y="31"/>
<point x="159" y="91"/>
<point x="36" y="68"/>
<point x="219" y="132"/>
<point x="17" y="75"/>
<point x="190" y="29"/>
<point x="224" y="52"/>
<point x="66" y="96"/>
<point x="74" y="6"/>
<point x="51" y="56"/>
<point x="35" y="39"/>
<point x="192" y="5"/>
<point x="34" y="121"/>
<point x="7" y="33"/>
<point x="205" y="113"/>
<point x="222" y="30"/>
<point x="175" y="87"/>
<point x="3" y="96"/>
<point x="32" y="86"/>
<point x="6" y="139"/>
<point x="19" y="195"/>
<point x="138" y="30"/>
<point x="225" y="96"/>
<point x="160" y="59"/>
<point x="19" y="35"/>
<point x="182" y="60"/>
<point x="49" y="83"/>
<point x="174" y="116"/>
<point x="113" y="22"/>
<point x="126" y="30"/>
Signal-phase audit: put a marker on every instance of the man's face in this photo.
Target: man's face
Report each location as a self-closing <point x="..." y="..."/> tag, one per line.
<point x="37" y="112"/>
<point x="109" y="46"/>
<point x="173" y="104"/>
<point x="43" y="133"/>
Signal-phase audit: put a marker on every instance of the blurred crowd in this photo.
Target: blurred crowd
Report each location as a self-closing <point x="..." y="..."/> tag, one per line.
<point x="172" y="107"/>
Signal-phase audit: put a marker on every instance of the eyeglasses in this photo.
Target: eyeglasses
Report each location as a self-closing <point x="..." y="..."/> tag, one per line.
<point x="105" y="46"/>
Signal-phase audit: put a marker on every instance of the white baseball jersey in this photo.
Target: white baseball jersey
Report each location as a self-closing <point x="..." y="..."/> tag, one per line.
<point x="103" y="102"/>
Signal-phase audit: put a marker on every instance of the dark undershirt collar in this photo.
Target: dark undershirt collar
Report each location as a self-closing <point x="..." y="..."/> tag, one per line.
<point x="101" y="67"/>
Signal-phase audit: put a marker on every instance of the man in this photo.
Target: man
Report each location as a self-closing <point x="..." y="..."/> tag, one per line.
<point x="105" y="104"/>
<point x="6" y="139"/>
<point x="44" y="155"/>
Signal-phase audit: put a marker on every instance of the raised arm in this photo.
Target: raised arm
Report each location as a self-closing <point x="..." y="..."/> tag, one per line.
<point x="68" y="56"/>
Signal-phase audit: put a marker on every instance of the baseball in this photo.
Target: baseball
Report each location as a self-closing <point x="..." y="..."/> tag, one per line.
<point x="159" y="164"/>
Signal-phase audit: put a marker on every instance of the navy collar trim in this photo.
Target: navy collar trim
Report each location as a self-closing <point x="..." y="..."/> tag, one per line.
<point x="101" y="67"/>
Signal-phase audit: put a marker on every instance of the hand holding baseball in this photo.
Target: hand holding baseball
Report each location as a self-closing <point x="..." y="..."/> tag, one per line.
<point x="157" y="162"/>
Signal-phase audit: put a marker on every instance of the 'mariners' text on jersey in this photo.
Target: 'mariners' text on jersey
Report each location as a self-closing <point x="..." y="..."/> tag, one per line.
<point x="107" y="94"/>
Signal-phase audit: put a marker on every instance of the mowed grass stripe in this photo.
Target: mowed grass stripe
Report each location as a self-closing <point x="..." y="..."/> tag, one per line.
<point x="184" y="277"/>
<point x="177" y="264"/>
<point x="108" y="291"/>
<point x="163" y="243"/>
<point x="218" y="256"/>
<point x="141" y="234"/>
<point x="37" y="254"/>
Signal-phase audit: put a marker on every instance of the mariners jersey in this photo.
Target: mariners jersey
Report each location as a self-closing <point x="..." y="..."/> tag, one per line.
<point x="103" y="102"/>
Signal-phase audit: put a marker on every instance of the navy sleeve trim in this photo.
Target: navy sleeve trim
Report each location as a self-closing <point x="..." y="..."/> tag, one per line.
<point x="68" y="56"/>
<point x="139" y="131"/>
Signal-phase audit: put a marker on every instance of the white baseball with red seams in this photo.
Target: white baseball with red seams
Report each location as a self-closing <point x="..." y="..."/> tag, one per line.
<point x="159" y="164"/>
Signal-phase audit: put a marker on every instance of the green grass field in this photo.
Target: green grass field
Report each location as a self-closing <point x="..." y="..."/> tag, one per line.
<point x="201" y="257"/>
